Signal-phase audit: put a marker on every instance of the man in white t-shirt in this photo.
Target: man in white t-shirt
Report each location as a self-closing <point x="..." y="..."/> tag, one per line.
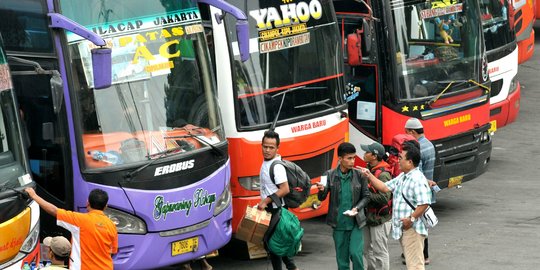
<point x="272" y="193"/>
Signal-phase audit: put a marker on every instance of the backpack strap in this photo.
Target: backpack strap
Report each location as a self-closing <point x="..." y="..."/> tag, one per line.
<point x="271" y="170"/>
<point x="379" y="171"/>
<point x="274" y="196"/>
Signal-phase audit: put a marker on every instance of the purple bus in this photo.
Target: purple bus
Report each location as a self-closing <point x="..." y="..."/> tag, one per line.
<point x="120" y="95"/>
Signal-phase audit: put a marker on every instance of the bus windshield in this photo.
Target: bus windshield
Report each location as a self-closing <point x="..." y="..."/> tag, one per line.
<point x="13" y="172"/>
<point x="162" y="99"/>
<point x="437" y="42"/>
<point x="285" y="42"/>
<point x="497" y="30"/>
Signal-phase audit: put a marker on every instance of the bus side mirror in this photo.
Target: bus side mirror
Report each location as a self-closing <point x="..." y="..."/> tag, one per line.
<point x="354" y="48"/>
<point x="242" y="33"/>
<point x="102" y="67"/>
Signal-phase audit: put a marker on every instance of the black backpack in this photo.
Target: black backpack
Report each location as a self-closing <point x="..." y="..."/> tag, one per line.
<point x="299" y="183"/>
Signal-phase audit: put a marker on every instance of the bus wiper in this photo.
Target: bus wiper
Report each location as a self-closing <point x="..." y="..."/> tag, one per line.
<point x="20" y="192"/>
<point x="448" y="85"/>
<point x="274" y="123"/>
<point x="200" y="139"/>
<point x="321" y="102"/>
<point x="159" y="155"/>
<point x="454" y="83"/>
<point x="314" y="104"/>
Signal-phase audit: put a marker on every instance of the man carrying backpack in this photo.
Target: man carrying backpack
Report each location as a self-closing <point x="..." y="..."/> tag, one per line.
<point x="349" y="195"/>
<point x="273" y="192"/>
<point x="378" y="211"/>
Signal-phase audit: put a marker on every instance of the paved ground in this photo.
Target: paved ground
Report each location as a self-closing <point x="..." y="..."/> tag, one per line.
<point x="492" y="222"/>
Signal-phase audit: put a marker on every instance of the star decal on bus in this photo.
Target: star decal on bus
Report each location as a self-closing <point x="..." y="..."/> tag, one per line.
<point x="415" y="108"/>
<point x="405" y="109"/>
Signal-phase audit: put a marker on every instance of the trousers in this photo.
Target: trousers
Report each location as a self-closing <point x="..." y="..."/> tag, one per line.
<point x="349" y="246"/>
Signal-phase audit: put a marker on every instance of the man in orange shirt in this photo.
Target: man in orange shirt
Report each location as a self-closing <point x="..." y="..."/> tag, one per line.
<point x="93" y="235"/>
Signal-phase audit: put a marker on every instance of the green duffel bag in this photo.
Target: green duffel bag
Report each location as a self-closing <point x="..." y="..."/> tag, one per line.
<point x="285" y="241"/>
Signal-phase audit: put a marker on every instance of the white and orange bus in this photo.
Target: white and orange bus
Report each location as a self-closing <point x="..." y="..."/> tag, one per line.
<point x="19" y="215"/>
<point x="502" y="55"/>
<point x="294" y="76"/>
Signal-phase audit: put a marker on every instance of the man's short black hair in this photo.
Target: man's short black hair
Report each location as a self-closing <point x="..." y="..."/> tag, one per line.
<point x="98" y="199"/>
<point x="413" y="152"/>
<point x="420" y="131"/>
<point x="64" y="259"/>
<point x="270" y="134"/>
<point x="345" y="148"/>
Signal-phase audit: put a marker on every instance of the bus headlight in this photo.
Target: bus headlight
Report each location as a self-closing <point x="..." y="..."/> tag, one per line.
<point x="126" y="223"/>
<point x="485" y="137"/>
<point x="250" y="182"/>
<point x="31" y="241"/>
<point x="223" y="201"/>
<point x="513" y="85"/>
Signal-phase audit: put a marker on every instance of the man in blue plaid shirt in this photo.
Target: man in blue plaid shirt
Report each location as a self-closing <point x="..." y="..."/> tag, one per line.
<point x="406" y="224"/>
<point x="414" y="127"/>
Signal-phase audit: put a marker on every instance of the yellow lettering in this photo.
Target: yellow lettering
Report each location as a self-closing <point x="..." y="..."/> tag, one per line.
<point x="151" y="35"/>
<point x="163" y="49"/>
<point x="142" y="51"/>
<point x="165" y="34"/>
<point x="123" y="41"/>
<point x="177" y="31"/>
<point x="140" y="39"/>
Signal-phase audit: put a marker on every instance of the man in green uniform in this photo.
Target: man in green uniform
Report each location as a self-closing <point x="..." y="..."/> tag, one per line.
<point x="349" y="195"/>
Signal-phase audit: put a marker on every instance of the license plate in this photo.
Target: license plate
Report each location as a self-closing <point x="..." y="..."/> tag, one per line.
<point x="184" y="246"/>
<point x="493" y="127"/>
<point x="310" y="201"/>
<point x="454" y="181"/>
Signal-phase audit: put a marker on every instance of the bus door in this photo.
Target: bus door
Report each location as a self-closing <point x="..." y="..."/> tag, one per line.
<point x="361" y="73"/>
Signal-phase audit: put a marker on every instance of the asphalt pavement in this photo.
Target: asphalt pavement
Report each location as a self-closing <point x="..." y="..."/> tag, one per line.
<point x="491" y="222"/>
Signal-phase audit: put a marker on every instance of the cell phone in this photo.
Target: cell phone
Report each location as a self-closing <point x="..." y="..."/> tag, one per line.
<point x="324" y="179"/>
<point x="436" y="188"/>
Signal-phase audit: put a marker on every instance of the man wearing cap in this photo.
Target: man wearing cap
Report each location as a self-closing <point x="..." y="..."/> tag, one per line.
<point x="378" y="211"/>
<point x="93" y="234"/>
<point x="411" y="185"/>
<point x="59" y="250"/>
<point x="415" y="128"/>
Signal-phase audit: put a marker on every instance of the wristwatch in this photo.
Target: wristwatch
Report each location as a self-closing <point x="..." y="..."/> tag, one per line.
<point x="413" y="219"/>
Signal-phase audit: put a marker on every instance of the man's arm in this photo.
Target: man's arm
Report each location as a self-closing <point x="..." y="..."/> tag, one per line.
<point x="280" y="193"/>
<point x="376" y="183"/>
<point x="48" y="207"/>
<point x="382" y="198"/>
<point x="280" y="177"/>
<point x="420" y="209"/>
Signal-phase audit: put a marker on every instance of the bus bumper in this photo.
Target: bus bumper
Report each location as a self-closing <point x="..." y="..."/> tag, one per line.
<point x="462" y="157"/>
<point x="506" y="111"/>
<point x="153" y="250"/>
<point x="526" y="48"/>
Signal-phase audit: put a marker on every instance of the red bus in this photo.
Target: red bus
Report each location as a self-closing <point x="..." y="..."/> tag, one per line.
<point x="407" y="66"/>
<point x="524" y="17"/>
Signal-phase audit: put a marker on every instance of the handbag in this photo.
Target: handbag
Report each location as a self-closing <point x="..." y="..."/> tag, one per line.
<point x="428" y="217"/>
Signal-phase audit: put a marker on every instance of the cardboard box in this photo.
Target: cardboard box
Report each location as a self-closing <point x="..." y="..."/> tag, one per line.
<point x="256" y="251"/>
<point x="253" y="225"/>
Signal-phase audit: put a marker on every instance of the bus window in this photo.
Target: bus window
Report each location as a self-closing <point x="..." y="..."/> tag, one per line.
<point x="48" y="145"/>
<point x="24" y="26"/>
